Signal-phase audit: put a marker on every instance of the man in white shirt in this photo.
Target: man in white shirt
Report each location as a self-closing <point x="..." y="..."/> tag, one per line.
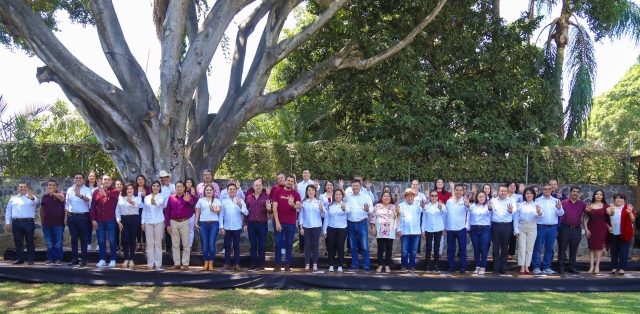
<point x="358" y="225"/>
<point x="366" y="185"/>
<point x="166" y="189"/>
<point x="224" y="194"/>
<point x="21" y="210"/>
<point x="78" y="202"/>
<point x="409" y="230"/>
<point x="551" y="209"/>
<point x="457" y="224"/>
<point x="501" y="228"/>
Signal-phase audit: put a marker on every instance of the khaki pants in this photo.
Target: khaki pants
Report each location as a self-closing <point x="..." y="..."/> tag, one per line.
<point x="180" y="231"/>
<point x="154" y="234"/>
<point x="526" y="242"/>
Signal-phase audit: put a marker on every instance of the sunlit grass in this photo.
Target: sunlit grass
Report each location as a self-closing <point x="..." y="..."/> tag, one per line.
<point x="30" y="298"/>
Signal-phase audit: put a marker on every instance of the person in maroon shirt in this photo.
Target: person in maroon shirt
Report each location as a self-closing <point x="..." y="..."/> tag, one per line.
<point x="52" y="222"/>
<point x="287" y="202"/>
<point x="103" y="218"/>
<point x="570" y="230"/>
<point x="255" y="224"/>
<point x="180" y="207"/>
<point x="280" y="179"/>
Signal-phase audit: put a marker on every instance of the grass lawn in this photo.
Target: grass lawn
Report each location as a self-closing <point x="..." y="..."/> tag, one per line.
<point x="18" y="298"/>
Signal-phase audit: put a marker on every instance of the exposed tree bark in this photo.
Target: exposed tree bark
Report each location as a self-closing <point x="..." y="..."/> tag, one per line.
<point x="496" y="9"/>
<point x="145" y="136"/>
<point x="560" y="36"/>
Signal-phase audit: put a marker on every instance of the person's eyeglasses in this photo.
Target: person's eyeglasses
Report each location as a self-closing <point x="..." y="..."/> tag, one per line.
<point x="434" y="195"/>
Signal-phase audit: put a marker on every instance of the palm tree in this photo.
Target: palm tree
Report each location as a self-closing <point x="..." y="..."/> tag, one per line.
<point x="569" y="39"/>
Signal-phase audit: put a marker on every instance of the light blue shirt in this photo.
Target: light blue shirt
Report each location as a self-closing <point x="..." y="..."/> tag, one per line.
<point x="356" y="202"/>
<point x="479" y="215"/>
<point x="550" y="213"/>
<point x="232" y="216"/>
<point x="224" y="194"/>
<point x="336" y="217"/>
<point x="456" y="218"/>
<point x="526" y="213"/>
<point x="302" y="188"/>
<point x="410" y="218"/>
<point x="76" y="204"/>
<point x="500" y="211"/>
<point x="516" y="198"/>
<point x="310" y="214"/>
<point x="433" y="218"/>
<point x="20" y="206"/>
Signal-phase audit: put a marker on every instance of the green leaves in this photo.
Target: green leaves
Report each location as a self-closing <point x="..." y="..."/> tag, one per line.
<point x="581" y="67"/>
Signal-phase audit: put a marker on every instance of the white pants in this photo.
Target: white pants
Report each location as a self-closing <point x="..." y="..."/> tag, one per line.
<point x="180" y="231"/>
<point x="192" y="229"/>
<point x="526" y="242"/>
<point x="154" y="234"/>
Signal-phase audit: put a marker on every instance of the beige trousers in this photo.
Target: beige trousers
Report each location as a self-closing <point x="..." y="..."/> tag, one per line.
<point x="154" y="234"/>
<point x="180" y="231"/>
<point x="526" y="242"/>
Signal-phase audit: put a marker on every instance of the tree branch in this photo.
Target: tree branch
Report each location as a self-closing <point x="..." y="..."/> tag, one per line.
<point x="128" y="71"/>
<point x="199" y="109"/>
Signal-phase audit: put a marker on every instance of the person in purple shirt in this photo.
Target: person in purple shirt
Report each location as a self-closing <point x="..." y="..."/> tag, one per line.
<point x="103" y="218"/>
<point x="180" y="207"/>
<point x="570" y="231"/>
<point x="52" y="221"/>
<point x="255" y="224"/>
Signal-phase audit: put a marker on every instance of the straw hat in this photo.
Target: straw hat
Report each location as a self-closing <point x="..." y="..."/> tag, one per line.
<point x="407" y="191"/>
<point x="163" y="174"/>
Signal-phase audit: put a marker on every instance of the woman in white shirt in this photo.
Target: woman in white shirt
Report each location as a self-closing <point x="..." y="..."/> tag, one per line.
<point x="153" y="225"/>
<point x="92" y="182"/>
<point x="310" y="217"/>
<point x="128" y="218"/>
<point x="326" y="196"/>
<point x="335" y="228"/>
<point x="432" y="226"/>
<point x="480" y="230"/>
<point x="525" y="228"/>
<point x="622" y="218"/>
<point x="385" y="220"/>
<point x="208" y="215"/>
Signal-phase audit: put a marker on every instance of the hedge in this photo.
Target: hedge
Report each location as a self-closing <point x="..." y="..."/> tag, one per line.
<point x="334" y="160"/>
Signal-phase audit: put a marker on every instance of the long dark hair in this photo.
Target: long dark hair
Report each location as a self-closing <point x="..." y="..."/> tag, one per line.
<point x="529" y="189"/>
<point x="325" y="186"/>
<point x="333" y="196"/>
<point x="86" y="180"/>
<point x="135" y="183"/>
<point x="444" y="186"/>
<point x="124" y="189"/>
<point x="593" y="197"/>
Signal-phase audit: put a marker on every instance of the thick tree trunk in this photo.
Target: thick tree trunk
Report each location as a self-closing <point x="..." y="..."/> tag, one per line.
<point x="496" y="9"/>
<point x="560" y="36"/>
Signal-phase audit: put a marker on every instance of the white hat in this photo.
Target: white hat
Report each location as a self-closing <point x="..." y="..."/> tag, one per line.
<point x="163" y="174"/>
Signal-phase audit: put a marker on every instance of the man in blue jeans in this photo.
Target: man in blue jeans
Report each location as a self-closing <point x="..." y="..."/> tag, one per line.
<point x="409" y="230"/>
<point x="255" y="223"/>
<point x="52" y="221"/>
<point x="286" y="203"/>
<point x="77" y="203"/>
<point x="551" y="208"/>
<point x="457" y="225"/>
<point x="358" y="225"/>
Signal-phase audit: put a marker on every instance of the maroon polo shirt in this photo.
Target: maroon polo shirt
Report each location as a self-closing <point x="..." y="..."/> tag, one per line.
<point x="257" y="207"/>
<point x="572" y="212"/>
<point x="178" y="208"/>
<point x="52" y="211"/>
<point x="103" y="208"/>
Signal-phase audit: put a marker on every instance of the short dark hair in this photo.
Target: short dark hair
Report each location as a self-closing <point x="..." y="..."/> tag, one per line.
<point x="575" y="187"/>
<point x="620" y="195"/>
<point x="458" y="185"/>
<point x="179" y="182"/>
<point x="79" y="173"/>
<point x="258" y="178"/>
<point x="355" y="181"/>
<point x="23" y="182"/>
<point x="529" y="189"/>
<point x="506" y="186"/>
<point x="206" y="170"/>
<point x="281" y="173"/>
<point x="303" y="169"/>
<point x="290" y="176"/>
<point x="124" y="190"/>
<point x="232" y="185"/>
<point x="52" y="180"/>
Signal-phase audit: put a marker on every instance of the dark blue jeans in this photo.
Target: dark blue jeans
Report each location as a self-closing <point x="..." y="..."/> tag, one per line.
<point x="257" y="241"/>
<point x="23" y="230"/>
<point x="78" y="229"/>
<point x="130" y="229"/>
<point x="53" y="237"/>
<point x="409" y="250"/>
<point x="107" y="229"/>
<point x="89" y="231"/>
<point x="286" y="234"/>
<point x="208" y="235"/>
<point x="619" y="253"/>
<point x="359" y="238"/>
<point x="546" y="238"/>
<point x="459" y="236"/>
<point x="481" y="239"/>
<point x="232" y="237"/>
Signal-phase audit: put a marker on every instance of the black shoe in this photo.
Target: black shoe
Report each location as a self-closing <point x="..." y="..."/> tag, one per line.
<point x="74" y="263"/>
<point x="18" y="262"/>
<point x="496" y="272"/>
<point x="503" y="272"/>
<point x="463" y="272"/>
<point x="83" y="263"/>
<point x="573" y="271"/>
<point x="560" y="271"/>
<point x="30" y="263"/>
<point x="451" y="270"/>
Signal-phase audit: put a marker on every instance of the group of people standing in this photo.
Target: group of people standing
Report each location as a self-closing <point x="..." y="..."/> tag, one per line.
<point x="173" y="211"/>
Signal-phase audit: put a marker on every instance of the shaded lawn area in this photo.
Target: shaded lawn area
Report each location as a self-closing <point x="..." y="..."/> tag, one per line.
<point x="29" y="298"/>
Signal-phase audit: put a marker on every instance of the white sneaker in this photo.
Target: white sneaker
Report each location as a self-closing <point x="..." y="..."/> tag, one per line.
<point x="159" y="269"/>
<point x="476" y="271"/>
<point x="330" y="268"/>
<point x="283" y="251"/>
<point x="112" y="263"/>
<point x="89" y="247"/>
<point x="97" y="248"/>
<point x="339" y="269"/>
<point x="481" y="271"/>
<point x="101" y="263"/>
<point x="221" y="252"/>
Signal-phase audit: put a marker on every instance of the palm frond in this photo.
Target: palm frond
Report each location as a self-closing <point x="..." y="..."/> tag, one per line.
<point x="628" y="24"/>
<point x="545" y="6"/>
<point x="582" y="68"/>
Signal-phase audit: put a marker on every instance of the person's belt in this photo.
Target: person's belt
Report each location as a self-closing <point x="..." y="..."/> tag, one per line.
<point x="22" y="219"/>
<point x="572" y="227"/>
<point x="132" y="215"/>
<point x="78" y="214"/>
<point x="257" y="221"/>
<point x="179" y="219"/>
<point x="501" y="223"/>
<point x="551" y="225"/>
<point x="357" y="222"/>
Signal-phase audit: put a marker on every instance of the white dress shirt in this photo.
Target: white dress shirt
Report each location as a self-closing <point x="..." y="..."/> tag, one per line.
<point x="325" y="200"/>
<point x="167" y="191"/>
<point x="76" y="204"/>
<point x="550" y="213"/>
<point x="336" y="217"/>
<point x="500" y="210"/>
<point x="356" y="202"/>
<point x="20" y="206"/>
<point x="310" y="214"/>
<point x="348" y="191"/>
<point x="526" y="213"/>
<point x="479" y="215"/>
<point x="616" y="219"/>
<point x="205" y="211"/>
<point x="410" y="218"/>
<point x="433" y="218"/>
<point x="516" y="197"/>
<point x="232" y="217"/>
<point x="124" y="208"/>
<point x="456" y="215"/>
<point x="224" y="194"/>
<point x="302" y="187"/>
<point x="153" y="214"/>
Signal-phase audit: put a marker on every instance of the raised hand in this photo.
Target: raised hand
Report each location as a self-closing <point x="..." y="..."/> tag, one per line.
<point x="494" y="194"/>
<point x="321" y="206"/>
<point x="539" y="210"/>
<point x="367" y="185"/>
<point x="474" y="188"/>
<point x="77" y="191"/>
<point x="238" y="201"/>
<point x="290" y="200"/>
<point x="559" y="194"/>
<point x="422" y="203"/>
<point x="396" y="190"/>
<point x="451" y="186"/>
<point x="589" y="207"/>
<point x="30" y="194"/>
<point x="340" y="183"/>
<point x="629" y="209"/>
<point x="466" y="202"/>
<point x="187" y="197"/>
<point x="397" y="210"/>
<point x="153" y="201"/>
<point x="366" y="207"/>
<point x="268" y="190"/>
<point x="521" y="188"/>
<point x="440" y="204"/>
<point x="510" y="208"/>
<point x="143" y="193"/>
<point x="316" y="183"/>
<point x="558" y="204"/>
<point x="343" y="205"/>
<point x="211" y="207"/>
<point x="489" y="206"/>
<point x="268" y="204"/>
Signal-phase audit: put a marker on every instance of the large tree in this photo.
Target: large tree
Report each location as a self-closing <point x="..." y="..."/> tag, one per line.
<point x="144" y="134"/>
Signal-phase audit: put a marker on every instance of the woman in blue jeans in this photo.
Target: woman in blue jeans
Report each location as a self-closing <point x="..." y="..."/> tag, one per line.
<point x="208" y="216"/>
<point x="480" y="231"/>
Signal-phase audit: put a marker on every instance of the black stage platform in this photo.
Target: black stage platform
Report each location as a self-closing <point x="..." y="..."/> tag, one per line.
<point x="298" y="279"/>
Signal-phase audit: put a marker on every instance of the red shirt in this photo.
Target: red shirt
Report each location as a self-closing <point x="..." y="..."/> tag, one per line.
<point x="257" y="208"/>
<point x="444" y="197"/>
<point x="274" y="191"/>
<point x="286" y="212"/>
<point x="572" y="212"/>
<point x="103" y="208"/>
<point x="178" y="208"/>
